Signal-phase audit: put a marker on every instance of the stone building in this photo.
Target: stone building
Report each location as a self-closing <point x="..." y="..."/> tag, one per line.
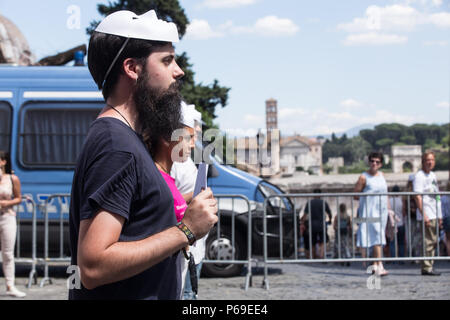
<point x="298" y="153"/>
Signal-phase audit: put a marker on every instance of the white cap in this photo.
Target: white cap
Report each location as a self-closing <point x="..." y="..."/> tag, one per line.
<point x="146" y="26"/>
<point x="189" y="115"/>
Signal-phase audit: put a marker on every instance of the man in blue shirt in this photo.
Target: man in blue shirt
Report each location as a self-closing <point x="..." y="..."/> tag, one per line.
<point x="123" y="230"/>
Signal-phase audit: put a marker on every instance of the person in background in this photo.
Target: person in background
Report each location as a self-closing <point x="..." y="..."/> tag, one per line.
<point x="318" y="208"/>
<point x="428" y="210"/>
<point x="445" y="201"/>
<point x="185" y="174"/>
<point x="166" y="154"/>
<point x="343" y="227"/>
<point x="396" y="204"/>
<point x="413" y="232"/>
<point x="373" y="211"/>
<point x="10" y="195"/>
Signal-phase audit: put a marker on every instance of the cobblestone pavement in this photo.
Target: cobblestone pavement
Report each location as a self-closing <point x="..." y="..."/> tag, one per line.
<point x="288" y="282"/>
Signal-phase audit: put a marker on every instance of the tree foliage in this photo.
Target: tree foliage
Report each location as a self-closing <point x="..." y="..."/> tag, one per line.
<point x="384" y="136"/>
<point x="205" y="97"/>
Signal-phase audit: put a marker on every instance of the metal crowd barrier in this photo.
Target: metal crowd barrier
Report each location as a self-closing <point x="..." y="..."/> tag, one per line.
<point x="61" y="258"/>
<point x="353" y="258"/>
<point x="221" y="259"/>
<point x="47" y="260"/>
<point x="26" y="200"/>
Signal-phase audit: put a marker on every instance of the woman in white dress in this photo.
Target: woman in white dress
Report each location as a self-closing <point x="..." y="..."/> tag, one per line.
<point x="372" y="211"/>
<point x="9" y="197"/>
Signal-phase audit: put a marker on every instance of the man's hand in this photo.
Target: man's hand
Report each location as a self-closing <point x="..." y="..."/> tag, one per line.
<point x="427" y="221"/>
<point x="201" y="214"/>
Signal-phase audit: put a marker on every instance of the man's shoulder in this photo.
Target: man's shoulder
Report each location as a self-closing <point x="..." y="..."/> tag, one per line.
<point x="419" y="174"/>
<point x="111" y="134"/>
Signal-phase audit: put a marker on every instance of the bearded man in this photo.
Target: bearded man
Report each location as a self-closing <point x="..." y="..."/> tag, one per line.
<point x="124" y="235"/>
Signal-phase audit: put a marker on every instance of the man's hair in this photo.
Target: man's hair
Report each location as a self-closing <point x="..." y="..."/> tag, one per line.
<point x="103" y="48"/>
<point x="396" y="188"/>
<point x="426" y="154"/>
<point x="376" y="154"/>
<point x="317" y="190"/>
<point x="5" y="156"/>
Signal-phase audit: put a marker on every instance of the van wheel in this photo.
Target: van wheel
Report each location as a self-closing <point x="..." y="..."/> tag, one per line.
<point x="221" y="248"/>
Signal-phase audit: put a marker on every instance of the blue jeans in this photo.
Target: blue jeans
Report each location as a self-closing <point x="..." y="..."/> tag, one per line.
<point x="188" y="294"/>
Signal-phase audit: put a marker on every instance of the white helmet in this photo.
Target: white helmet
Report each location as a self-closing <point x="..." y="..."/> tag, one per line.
<point x="146" y="26"/>
<point x="189" y="115"/>
<point x="129" y="25"/>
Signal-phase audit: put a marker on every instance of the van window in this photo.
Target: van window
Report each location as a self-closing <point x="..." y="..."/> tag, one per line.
<point x="52" y="134"/>
<point x="5" y="126"/>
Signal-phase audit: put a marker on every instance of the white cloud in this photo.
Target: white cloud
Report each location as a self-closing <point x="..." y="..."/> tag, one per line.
<point x="252" y="119"/>
<point x="270" y="26"/>
<point x="351" y="104"/>
<point x="216" y="4"/>
<point x="381" y="25"/>
<point x="288" y="113"/>
<point x="201" y="30"/>
<point x="426" y="3"/>
<point x="382" y="116"/>
<point x="314" y="121"/>
<point x="440" y="43"/>
<point x="389" y="18"/>
<point x="374" y="38"/>
<point x="443" y="104"/>
<point x="441" y="19"/>
<point x="274" y="26"/>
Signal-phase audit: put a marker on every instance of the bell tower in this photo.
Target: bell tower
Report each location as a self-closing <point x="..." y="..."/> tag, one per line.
<point x="271" y="114"/>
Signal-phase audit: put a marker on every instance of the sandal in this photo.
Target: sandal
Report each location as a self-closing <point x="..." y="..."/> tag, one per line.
<point x="383" y="272"/>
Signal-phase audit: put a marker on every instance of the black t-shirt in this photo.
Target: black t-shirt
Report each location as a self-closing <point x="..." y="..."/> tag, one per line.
<point x="317" y="208"/>
<point x="116" y="173"/>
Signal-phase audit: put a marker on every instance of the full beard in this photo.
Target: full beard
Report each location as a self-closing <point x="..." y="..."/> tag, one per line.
<point x="158" y="110"/>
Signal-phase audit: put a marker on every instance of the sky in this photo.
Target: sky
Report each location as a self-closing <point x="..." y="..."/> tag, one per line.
<point x="331" y="65"/>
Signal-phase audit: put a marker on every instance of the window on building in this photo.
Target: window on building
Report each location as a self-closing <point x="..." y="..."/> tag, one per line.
<point x="5" y="126"/>
<point x="52" y="134"/>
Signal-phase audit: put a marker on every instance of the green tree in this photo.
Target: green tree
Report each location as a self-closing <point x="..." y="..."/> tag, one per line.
<point x="408" y="139"/>
<point x="205" y="97"/>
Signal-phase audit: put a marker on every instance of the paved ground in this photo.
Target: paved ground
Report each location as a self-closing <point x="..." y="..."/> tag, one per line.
<point x="289" y="282"/>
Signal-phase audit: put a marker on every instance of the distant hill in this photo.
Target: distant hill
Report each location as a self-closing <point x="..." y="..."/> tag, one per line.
<point x="352" y="132"/>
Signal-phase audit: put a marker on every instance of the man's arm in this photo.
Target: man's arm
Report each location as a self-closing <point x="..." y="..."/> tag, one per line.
<point x="102" y="259"/>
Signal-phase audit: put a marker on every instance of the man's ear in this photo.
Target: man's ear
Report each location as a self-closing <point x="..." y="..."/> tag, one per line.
<point x="132" y="69"/>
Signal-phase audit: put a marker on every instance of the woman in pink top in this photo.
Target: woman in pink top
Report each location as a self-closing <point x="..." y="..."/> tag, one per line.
<point x="179" y="203"/>
<point x="166" y="152"/>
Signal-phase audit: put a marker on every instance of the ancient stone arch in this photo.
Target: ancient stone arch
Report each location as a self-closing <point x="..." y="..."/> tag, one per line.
<point x="403" y="154"/>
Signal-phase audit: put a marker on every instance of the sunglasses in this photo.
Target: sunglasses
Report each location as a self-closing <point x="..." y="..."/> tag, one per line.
<point x="375" y="161"/>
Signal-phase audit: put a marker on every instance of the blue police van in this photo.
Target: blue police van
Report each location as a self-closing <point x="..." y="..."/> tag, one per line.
<point x="45" y="114"/>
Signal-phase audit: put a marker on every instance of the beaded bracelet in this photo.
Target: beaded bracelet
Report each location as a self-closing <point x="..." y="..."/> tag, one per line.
<point x="187" y="232"/>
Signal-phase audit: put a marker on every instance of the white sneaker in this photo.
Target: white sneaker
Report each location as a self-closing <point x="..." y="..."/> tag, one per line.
<point x="14" y="292"/>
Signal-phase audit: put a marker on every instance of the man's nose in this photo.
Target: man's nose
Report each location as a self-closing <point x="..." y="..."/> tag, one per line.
<point x="178" y="72"/>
